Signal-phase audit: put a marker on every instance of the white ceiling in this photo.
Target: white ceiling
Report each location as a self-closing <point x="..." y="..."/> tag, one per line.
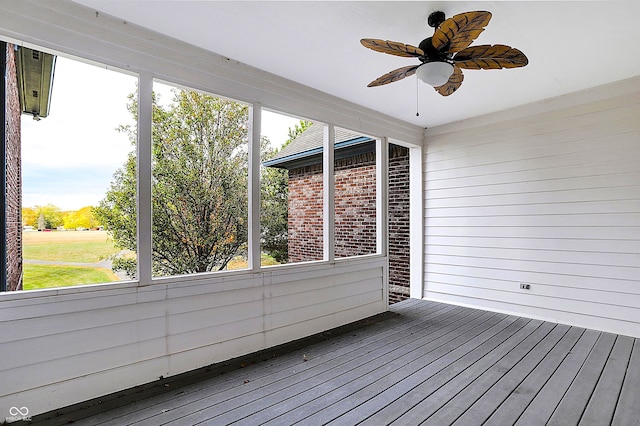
<point x="571" y="45"/>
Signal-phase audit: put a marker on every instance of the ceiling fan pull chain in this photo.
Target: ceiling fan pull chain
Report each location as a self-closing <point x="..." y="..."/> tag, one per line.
<point x="417" y="103"/>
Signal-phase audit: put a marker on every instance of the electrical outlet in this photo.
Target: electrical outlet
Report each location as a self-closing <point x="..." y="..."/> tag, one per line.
<point x="524" y="286"/>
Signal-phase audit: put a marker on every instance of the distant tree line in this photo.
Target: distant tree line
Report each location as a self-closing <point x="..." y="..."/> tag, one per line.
<point x="50" y="216"/>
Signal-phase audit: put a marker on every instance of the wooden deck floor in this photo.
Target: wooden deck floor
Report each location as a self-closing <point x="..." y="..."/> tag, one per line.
<point x="426" y="363"/>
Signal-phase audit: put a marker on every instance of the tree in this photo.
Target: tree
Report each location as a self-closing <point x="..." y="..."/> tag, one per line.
<point x="274" y="204"/>
<point x="29" y="217"/>
<point x="199" y="187"/>
<point x="47" y="216"/>
<point x="83" y="218"/>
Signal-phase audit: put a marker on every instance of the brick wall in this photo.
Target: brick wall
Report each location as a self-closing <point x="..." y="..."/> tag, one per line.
<point x="399" y="233"/>
<point x="14" y="177"/>
<point x="355" y="213"/>
<point x="305" y="214"/>
<point x="355" y="205"/>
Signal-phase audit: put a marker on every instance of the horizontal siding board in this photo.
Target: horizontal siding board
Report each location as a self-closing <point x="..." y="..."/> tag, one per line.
<point x="282" y="319"/>
<point x="605" y="233"/>
<point x="595" y="271"/>
<point x="43" y="325"/>
<point x="531" y="155"/>
<point x="287" y="302"/>
<point x="215" y="317"/>
<point x="53" y="371"/>
<point x="556" y="290"/>
<point x="291" y="287"/>
<point x="532" y="198"/>
<point x="539" y="184"/>
<point x="531" y="150"/>
<point x="76" y="302"/>
<point x="516" y="242"/>
<point x="43" y="350"/>
<point x="630" y="260"/>
<point x="206" y="284"/>
<point x="362" y="309"/>
<point x="469" y="274"/>
<point x="596" y="322"/>
<point x="556" y="220"/>
<point x="553" y="303"/>
<point x="616" y="97"/>
<point x="50" y="397"/>
<point x="568" y="208"/>
<point x="536" y="163"/>
<point x="537" y="173"/>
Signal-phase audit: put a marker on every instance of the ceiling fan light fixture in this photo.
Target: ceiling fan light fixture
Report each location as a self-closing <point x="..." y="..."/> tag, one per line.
<point x="435" y="73"/>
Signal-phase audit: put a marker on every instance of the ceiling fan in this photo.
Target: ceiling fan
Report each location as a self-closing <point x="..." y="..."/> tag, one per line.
<point x="447" y="52"/>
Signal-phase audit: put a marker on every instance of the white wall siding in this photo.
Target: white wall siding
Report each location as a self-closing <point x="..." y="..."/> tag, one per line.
<point x="546" y="194"/>
<point x="74" y="344"/>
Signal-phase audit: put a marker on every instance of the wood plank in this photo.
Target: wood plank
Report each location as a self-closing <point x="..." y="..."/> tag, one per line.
<point x="602" y="403"/>
<point x="484" y="406"/>
<point x="511" y="408"/>
<point x="546" y="401"/>
<point x="424" y="363"/>
<point x="628" y="408"/>
<point x="410" y="313"/>
<point x="414" y="406"/>
<point x="223" y="398"/>
<point x="362" y="368"/>
<point x="573" y="403"/>
<point x="465" y="396"/>
<point x="409" y="375"/>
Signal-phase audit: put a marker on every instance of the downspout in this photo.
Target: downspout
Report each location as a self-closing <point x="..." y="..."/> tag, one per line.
<point x="3" y="165"/>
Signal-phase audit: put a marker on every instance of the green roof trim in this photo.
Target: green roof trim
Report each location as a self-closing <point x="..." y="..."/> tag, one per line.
<point x="308" y="147"/>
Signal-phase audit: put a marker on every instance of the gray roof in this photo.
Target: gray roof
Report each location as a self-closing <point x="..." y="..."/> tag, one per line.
<point x="310" y="143"/>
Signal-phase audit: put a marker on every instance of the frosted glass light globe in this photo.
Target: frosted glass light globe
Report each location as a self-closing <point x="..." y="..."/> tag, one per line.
<point x="435" y="73"/>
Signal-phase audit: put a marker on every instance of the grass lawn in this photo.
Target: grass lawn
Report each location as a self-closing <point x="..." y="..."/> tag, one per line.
<point x="240" y="263"/>
<point x="50" y="276"/>
<point x="79" y="246"/>
<point x="67" y="246"/>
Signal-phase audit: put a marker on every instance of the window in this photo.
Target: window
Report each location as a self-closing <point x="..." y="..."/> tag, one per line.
<point x="200" y="182"/>
<point x="356" y="212"/>
<point x="291" y="190"/>
<point x="74" y="136"/>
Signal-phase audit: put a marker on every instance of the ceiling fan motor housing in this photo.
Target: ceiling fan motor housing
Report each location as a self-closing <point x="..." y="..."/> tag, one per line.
<point x="431" y="54"/>
<point x="435" y="19"/>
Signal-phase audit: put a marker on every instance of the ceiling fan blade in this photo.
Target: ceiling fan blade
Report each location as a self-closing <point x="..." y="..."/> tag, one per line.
<point x="490" y="57"/>
<point x="394" y="75"/>
<point x="453" y="84"/>
<point x="459" y="31"/>
<point x="392" y="47"/>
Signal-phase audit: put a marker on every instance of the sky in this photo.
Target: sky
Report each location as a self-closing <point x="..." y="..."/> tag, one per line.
<point x="69" y="157"/>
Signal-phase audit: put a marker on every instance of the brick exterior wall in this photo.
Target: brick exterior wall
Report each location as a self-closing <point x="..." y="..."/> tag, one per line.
<point x="399" y="233"/>
<point x="355" y="205"/>
<point x="355" y="213"/>
<point x="14" y="177"/>
<point x="305" y="214"/>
